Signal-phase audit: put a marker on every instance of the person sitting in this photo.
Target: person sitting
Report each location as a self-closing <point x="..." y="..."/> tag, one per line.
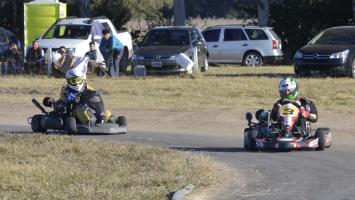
<point x="13" y="58"/>
<point x="34" y="59"/>
<point x="96" y="62"/>
<point x="62" y="62"/>
<point x="75" y="89"/>
<point x="288" y="90"/>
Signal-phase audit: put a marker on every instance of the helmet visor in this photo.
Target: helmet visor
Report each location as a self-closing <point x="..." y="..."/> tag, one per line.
<point x="288" y="94"/>
<point x="77" y="80"/>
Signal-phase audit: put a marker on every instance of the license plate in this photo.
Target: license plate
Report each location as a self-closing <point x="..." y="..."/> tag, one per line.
<point x="156" y="64"/>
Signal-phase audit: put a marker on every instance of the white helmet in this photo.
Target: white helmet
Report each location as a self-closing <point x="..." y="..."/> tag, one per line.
<point x="288" y="88"/>
<point x="76" y="77"/>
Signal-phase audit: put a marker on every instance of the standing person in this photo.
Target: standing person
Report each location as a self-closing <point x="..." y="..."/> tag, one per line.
<point x="13" y="58"/>
<point x="34" y="59"/>
<point x="96" y="60"/>
<point x="112" y="50"/>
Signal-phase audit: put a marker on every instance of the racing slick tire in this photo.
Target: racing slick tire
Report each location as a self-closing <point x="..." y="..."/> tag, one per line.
<point x="249" y="139"/>
<point x="326" y="131"/>
<point x="321" y="134"/>
<point x="122" y="121"/>
<point x="36" y="124"/>
<point x="70" y="125"/>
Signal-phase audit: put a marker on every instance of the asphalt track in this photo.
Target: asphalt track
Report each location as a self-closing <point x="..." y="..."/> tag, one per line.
<point x="327" y="175"/>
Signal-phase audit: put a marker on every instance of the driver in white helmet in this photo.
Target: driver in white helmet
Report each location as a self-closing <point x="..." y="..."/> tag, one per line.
<point x="288" y="89"/>
<point x="76" y="85"/>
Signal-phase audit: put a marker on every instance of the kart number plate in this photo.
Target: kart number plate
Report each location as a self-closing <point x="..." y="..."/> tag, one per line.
<point x="156" y="64"/>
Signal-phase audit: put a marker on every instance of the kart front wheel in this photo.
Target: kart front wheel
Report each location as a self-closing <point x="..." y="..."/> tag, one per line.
<point x="70" y="125"/>
<point x="321" y="134"/>
<point x="122" y="121"/>
<point x="36" y="124"/>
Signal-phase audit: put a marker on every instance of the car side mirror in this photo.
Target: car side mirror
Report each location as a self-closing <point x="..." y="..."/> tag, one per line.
<point x="38" y="37"/>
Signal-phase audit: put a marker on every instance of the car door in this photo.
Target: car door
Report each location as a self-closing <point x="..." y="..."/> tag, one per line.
<point x="212" y="37"/>
<point x="198" y="42"/>
<point x="233" y="46"/>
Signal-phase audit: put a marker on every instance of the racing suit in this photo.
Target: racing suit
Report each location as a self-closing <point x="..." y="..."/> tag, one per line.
<point x="81" y="112"/>
<point x="308" y="111"/>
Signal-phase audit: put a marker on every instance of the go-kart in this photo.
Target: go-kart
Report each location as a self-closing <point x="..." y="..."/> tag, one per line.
<point x="286" y="134"/>
<point x="62" y="118"/>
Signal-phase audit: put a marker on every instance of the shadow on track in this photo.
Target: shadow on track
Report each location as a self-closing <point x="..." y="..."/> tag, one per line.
<point x="211" y="149"/>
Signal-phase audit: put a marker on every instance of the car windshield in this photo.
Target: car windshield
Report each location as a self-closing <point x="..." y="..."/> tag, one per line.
<point x="66" y="31"/>
<point x="335" y="36"/>
<point x="167" y="37"/>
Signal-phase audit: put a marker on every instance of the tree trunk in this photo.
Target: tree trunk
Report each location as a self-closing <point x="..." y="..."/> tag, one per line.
<point x="84" y="8"/>
<point x="179" y="12"/>
<point x="263" y="12"/>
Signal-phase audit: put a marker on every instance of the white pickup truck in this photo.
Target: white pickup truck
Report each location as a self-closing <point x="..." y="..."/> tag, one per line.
<point x="76" y="34"/>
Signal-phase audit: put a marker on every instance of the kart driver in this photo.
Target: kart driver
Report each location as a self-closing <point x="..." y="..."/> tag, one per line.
<point x="288" y="89"/>
<point x="76" y="86"/>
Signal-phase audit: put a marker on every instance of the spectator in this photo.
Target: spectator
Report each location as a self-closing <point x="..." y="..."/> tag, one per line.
<point x="111" y="49"/>
<point x="96" y="60"/>
<point x="13" y="59"/>
<point x="34" y="59"/>
<point x="63" y="62"/>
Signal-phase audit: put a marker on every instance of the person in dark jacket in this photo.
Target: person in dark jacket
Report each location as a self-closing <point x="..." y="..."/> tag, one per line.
<point x="111" y="49"/>
<point x="34" y="59"/>
<point x="13" y="59"/>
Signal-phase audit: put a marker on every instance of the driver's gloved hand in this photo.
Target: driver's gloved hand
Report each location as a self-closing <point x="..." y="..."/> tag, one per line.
<point x="305" y="114"/>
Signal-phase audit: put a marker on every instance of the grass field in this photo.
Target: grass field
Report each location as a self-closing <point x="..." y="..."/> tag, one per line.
<point x="60" y="167"/>
<point x="221" y="87"/>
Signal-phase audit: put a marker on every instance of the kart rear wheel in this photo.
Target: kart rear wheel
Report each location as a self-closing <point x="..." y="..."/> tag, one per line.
<point x="70" y="125"/>
<point x="122" y="121"/>
<point x="252" y="145"/>
<point x="36" y="124"/>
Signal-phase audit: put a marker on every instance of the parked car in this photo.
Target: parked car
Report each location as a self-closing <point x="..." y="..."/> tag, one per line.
<point x="76" y="34"/>
<point x="331" y="52"/>
<point x="161" y="46"/>
<point x="249" y="45"/>
<point x="7" y="36"/>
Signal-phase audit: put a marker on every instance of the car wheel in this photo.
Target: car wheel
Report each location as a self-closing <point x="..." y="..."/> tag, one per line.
<point x="36" y="124"/>
<point x="124" y="62"/>
<point x="70" y="125"/>
<point x="252" y="59"/>
<point x="204" y="68"/>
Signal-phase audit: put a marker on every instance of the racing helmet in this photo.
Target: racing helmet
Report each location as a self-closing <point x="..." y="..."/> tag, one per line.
<point x="75" y="79"/>
<point x="288" y="88"/>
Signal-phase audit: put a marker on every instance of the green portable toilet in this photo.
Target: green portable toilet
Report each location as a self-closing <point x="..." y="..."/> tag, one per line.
<point x="39" y="15"/>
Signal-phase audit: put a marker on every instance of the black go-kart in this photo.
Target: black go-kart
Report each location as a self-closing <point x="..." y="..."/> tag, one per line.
<point x="61" y="118"/>
<point x="285" y="134"/>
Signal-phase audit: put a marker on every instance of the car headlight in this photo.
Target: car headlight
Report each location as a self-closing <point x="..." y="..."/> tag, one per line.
<point x="340" y="55"/>
<point x="137" y="57"/>
<point x="298" y="55"/>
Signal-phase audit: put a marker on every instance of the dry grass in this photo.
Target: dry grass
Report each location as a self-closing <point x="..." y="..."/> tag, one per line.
<point x="60" y="167"/>
<point x="222" y="87"/>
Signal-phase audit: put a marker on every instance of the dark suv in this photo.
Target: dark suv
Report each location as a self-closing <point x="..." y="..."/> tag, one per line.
<point x="162" y="45"/>
<point x="331" y="52"/>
